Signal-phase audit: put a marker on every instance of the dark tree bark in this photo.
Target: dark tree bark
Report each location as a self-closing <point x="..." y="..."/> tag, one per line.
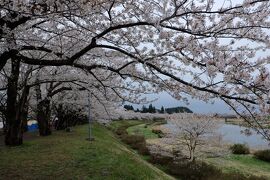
<point x="60" y="123"/>
<point x="3" y="59"/>
<point x="14" y="135"/>
<point x="3" y="113"/>
<point x="43" y="114"/>
<point x="23" y="108"/>
<point x="43" y="117"/>
<point x="24" y="119"/>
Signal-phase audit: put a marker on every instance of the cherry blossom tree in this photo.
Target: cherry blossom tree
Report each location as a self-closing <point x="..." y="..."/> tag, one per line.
<point x="206" y="49"/>
<point x="193" y="131"/>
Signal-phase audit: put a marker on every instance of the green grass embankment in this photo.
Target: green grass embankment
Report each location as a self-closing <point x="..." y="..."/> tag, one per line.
<point x="142" y="129"/>
<point x="69" y="156"/>
<point x="243" y="164"/>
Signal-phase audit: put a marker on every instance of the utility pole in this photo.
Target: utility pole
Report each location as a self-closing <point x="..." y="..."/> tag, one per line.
<point x="90" y="137"/>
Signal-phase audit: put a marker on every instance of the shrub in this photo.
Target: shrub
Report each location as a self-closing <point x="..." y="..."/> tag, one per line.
<point x="136" y="142"/>
<point x="133" y="139"/>
<point x="263" y="155"/>
<point x="239" y="149"/>
<point x="161" y="135"/>
<point x="161" y="159"/>
<point x="178" y="155"/>
<point x="158" y="132"/>
<point x="198" y="170"/>
<point x="159" y="119"/>
<point x="143" y="150"/>
<point x="121" y="131"/>
<point x="194" y="170"/>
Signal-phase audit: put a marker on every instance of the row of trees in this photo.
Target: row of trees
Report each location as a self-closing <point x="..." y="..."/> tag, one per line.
<point x="144" y="109"/>
<point x="162" y="110"/>
<point x="53" y="51"/>
<point x="150" y="109"/>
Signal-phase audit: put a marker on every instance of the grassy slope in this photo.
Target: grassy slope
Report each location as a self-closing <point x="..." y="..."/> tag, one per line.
<point x="70" y="156"/>
<point x="142" y="130"/>
<point x="244" y="164"/>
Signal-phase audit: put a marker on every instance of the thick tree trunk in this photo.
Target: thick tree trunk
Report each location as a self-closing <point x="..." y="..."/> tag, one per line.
<point x="60" y="123"/>
<point x="43" y="114"/>
<point x="14" y="135"/>
<point x="23" y="111"/>
<point x="43" y="117"/>
<point x="24" y="115"/>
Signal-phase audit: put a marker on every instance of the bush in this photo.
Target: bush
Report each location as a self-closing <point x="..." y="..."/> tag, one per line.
<point x="194" y="170"/>
<point x="239" y="149"/>
<point x="202" y="171"/>
<point x="143" y="150"/>
<point x="136" y="142"/>
<point x="121" y="131"/>
<point x="159" y="119"/>
<point x="158" y="132"/>
<point x="160" y="159"/>
<point x="263" y="155"/>
<point x="133" y="139"/>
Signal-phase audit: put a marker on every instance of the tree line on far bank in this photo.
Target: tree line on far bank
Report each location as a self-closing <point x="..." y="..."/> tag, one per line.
<point x="162" y="110"/>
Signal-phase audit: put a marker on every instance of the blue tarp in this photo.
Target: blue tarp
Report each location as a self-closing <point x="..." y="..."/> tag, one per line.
<point x="33" y="127"/>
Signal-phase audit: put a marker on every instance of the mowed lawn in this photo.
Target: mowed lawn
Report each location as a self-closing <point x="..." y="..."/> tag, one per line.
<point x="69" y="156"/>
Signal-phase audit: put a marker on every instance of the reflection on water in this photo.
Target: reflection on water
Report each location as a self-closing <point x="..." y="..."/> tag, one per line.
<point x="232" y="134"/>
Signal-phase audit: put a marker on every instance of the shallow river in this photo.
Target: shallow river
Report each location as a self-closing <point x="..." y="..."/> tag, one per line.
<point x="232" y="134"/>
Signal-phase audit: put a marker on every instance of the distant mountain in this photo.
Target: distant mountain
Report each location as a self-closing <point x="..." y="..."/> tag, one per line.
<point x="178" y="110"/>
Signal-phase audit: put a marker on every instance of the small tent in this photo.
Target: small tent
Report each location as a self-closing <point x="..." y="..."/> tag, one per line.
<point x="32" y="125"/>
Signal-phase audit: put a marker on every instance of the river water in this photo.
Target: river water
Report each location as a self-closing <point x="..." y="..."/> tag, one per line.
<point x="232" y="134"/>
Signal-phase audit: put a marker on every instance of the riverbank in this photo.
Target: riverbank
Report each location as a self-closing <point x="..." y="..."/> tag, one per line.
<point x="233" y="166"/>
<point x="244" y="164"/>
<point x="69" y="156"/>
